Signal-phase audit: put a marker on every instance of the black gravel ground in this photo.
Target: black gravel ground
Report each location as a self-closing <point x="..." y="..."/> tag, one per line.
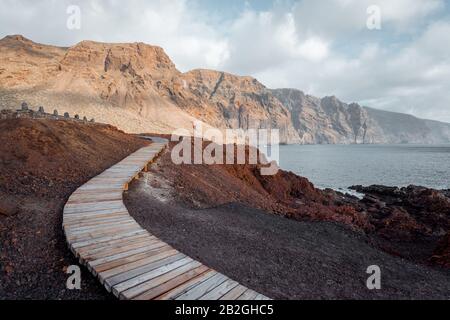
<point x="34" y="256"/>
<point x="281" y="258"/>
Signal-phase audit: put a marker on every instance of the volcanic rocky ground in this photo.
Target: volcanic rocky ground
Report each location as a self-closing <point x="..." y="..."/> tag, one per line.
<point x="233" y="219"/>
<point x="276" y="234"/>
<point x="41" y="163"/>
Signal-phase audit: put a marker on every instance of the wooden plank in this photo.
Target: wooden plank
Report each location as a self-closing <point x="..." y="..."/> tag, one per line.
<point x="122" y="277"/>
<point x="109" y="244"/>
<point x="220" y="290"/>
<point x="106" y="225"/>
<point x="118" y="288"/>
<point x="234" y="293"/>
<point x="99" y="190"/>
<point x="96" y="198"/>
<point x="87" y="224"/>
<point x="123" y="261"/>
<point x="203" y="288"/>
<point x="106" y="247"/>
<point x="93" y="215"/>
<point x="94" y="211"/>
<point x="69" y="223"/>
<point x="93" y="206"/>
<point x="93" y="222"/>
<point x="119" y="248"/>
<point x="101" y="234"/>
<point x="172" y="283"/>
<point x="109" y="204"/>
<point x="176" y="285"/>
<point x="158" y="281"/>
<point x="248" y="295"/>
<point x="101" y="186"/>
<point x="136" y="264"/>
<point x="102" y="226"/>
<point x="100" y="214"/>
<point x="176" y="292"/>
<point x="84" y="243"/>
<point x="100" y="261"/>
<point x="86" y="208"/>
<point x="95" y="194"/>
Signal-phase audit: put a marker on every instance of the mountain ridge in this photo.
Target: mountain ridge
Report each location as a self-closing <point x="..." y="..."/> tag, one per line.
<point x="137" y="87"/>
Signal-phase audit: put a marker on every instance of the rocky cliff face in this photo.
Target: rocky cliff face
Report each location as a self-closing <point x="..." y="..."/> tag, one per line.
<point x="228" y="101"/>
<point x="329" y="120"/>
<point x="138" y="88"/>
<point x="326" y="120"/>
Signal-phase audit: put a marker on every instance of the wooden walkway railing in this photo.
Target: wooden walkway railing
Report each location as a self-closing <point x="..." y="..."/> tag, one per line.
<point x="128" y="260"/>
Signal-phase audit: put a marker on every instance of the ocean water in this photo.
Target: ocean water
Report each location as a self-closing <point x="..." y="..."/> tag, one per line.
<point x="341" y="166"/>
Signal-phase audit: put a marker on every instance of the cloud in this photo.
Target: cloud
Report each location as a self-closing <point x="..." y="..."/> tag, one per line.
<point x="343" y="18"/>
<point x="321" y="47"/>
<point x="184" y="32"/>
<point x="325" y="48"/>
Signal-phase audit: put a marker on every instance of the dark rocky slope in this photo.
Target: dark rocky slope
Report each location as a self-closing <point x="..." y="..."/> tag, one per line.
<point x="234" y="220"/>
<point x="41" y="163"/>
<point x="329" y="120"/>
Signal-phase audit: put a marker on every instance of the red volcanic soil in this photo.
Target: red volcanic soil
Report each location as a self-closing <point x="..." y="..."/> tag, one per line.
<point x="223" y="211"/>
<point x="41" y="163"/>
<point x="406" y="222"/>
<point x="442" y="253"/>
<point x="284" y="193"/>
<point x="233" y="219"/>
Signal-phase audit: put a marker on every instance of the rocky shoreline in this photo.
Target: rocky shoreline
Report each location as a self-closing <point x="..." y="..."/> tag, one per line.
<point x="282" y="236"/>
<point x="412" y="222"/>
<point x="229" y="210"/>
<point x="413" y="213"/>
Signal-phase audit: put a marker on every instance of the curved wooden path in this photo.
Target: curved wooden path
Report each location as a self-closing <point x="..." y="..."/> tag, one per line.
<point x="128" y="260"/>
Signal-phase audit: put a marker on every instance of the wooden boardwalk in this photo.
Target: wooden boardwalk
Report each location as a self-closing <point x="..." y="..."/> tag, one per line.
<point x="128" y="260"/>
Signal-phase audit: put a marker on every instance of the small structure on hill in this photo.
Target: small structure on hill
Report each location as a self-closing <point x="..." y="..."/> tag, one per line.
<point x="6" y="114"/>
<point x="24" y="111"/>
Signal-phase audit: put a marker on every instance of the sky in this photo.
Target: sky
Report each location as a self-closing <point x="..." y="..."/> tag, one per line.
<point x="322" y="47"/>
